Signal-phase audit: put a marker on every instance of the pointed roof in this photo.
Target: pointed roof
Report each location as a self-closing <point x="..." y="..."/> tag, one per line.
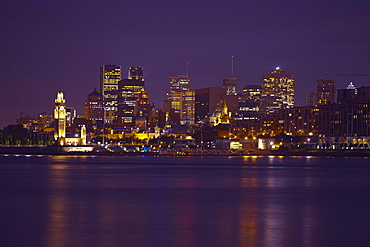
<point x="95" y="93"/>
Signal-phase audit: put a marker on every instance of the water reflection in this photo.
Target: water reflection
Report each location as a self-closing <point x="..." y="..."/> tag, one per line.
<point x="250" y="204"/>
<point x="57" y="227"/>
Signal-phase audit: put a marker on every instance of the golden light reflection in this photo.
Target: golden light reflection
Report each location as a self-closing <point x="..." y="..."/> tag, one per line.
<point x="248" y="224"/>
<point x="56" y="234"/>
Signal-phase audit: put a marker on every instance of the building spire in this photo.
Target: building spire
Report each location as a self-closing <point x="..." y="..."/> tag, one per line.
<point x="187" y="69"/>
<point x="232" y="66"/>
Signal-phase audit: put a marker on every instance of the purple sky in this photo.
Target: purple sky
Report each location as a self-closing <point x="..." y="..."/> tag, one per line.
<point x="48" y="46"/>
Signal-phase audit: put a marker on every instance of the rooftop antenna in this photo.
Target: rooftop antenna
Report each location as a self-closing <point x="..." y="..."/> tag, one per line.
<point x="21" y="109"/>
<point x="232" y="66"/>
<point x="187" y="69"/>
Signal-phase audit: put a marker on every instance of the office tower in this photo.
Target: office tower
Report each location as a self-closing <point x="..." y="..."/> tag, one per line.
<point x="94" y="106"/>
<point x="178" y="84"/>
<point x="110" y="75"/>
<point x="187" y="113"/>
<point x="207" y="101"/>
<point x="325" y="91"/>
<point x="229" y="84"/>
<point x="181" y="98"/>
<point x="348" y="94"/>
<point x="136" y="73"/>
<point x="128" y="94"/>
<point x="60" y="116"/>
<point x="311" y="99"/>
<point x="277" y="91"/>
<point x="249" y="104"/>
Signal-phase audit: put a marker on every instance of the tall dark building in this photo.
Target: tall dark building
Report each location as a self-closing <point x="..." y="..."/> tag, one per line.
<point x="94" y="106"/>
<point x="206" y="101"/>
<point x="325" y="91"/>
<point x="136" y="73"/>
<point x="229" y="84"/>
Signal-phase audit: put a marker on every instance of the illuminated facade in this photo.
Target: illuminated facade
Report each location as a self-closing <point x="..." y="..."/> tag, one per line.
<point x="182" y="98"/>
<point x="60" y="125"/>
<point x="110" y="75"/>
<point x="221" y="115"/>
<point x="249" y="104"/>
<point x="60" y="122"/>
<point x="325" y="92"/>
<point x="128" y="94"/>
<point x="277" y="91"/>
<point x="142" y="107"/>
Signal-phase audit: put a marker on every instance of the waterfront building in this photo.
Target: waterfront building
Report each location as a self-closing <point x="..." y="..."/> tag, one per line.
<point x="277" y="91"/>
<point x="325" y="91"/>
<point x="60" y="125"/>
<point x="351" y="119"/>
<point x="60" y="122"/>
<point x="301" y="121"/>
<point x="110" y="75"/>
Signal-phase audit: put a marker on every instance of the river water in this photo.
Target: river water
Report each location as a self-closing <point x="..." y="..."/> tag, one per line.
<point x="65" y="201"/>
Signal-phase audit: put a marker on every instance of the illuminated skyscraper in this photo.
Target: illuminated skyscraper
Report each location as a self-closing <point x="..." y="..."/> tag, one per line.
<point x="277" y="91"/>
<point x="129" y="91"/>
<point x="325" y="92"/>
<point x="182" y="98"/>
<point x="249" y="104"/>
<point x="110" y="75"/>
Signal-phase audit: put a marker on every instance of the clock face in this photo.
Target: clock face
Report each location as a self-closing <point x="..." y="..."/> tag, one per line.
<point x="62" y="108"/>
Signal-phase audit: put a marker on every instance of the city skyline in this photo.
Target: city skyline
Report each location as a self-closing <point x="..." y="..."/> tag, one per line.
<point x="56" y="46"/>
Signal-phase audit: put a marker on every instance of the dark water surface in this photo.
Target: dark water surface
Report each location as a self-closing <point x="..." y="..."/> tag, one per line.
<point x="184" y="201"/>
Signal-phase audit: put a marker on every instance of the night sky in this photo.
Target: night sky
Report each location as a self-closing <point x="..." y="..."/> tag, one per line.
<point x="47" y="46"/>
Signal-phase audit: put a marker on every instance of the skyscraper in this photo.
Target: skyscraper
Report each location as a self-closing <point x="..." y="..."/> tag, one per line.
<point x="229" y="84"/>
<point x="325" y="91"/>
<point x="94" y="106"/>
<point x="277" y="91"/>
<point x="110" y="75"/>
<point x="206" y="102"/>
<point x="129" y="91"/>
<point x="250" y="102"/>
<point x="182" y="98"/>
<point x="136" y="73"/>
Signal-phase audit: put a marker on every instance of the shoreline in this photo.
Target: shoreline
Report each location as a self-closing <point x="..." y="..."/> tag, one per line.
<point x="42" y="150"/>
